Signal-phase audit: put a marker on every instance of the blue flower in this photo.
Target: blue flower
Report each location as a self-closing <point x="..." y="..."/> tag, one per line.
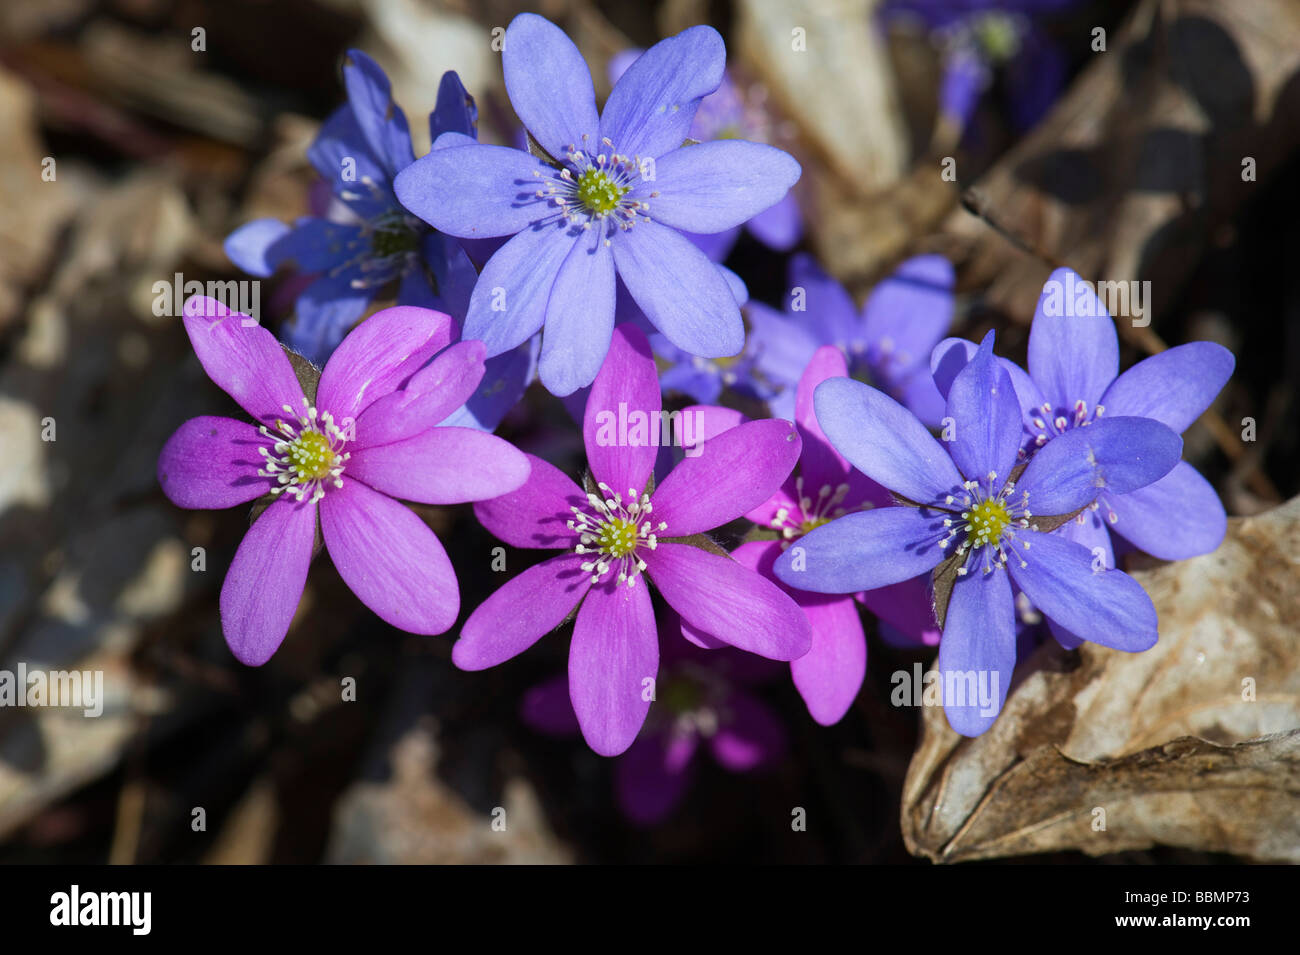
<point x="888" y="343"/>
<point x="612" y="203"/>
<point x="969" y="511"/>
<point x="372" y="242"/>
<point x="1073" y="381"/>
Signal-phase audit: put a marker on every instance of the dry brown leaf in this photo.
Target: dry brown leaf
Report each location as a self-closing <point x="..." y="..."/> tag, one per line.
<point x="1194" y="743"/>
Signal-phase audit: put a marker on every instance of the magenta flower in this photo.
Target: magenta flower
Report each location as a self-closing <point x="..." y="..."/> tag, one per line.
<point x="704" y="701"/>
<point x="830" y="674"/>
<point x="628" y="528"/>
<point x="366" y="437"/>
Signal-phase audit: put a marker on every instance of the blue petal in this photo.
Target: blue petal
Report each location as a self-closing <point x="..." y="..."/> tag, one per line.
<point x="1177" y="517"/>
<point x="1174" y="387"/>
<point x="550" y="86"/>
<point x="340" y="150"/>
<point x="864" y="550"/>
<point x="323" y="314"/>
<point x="651" y="107"/>
<point x="1073" y="349"/>
<point x="822" y="305"/>
<point x="380" y="119"/>
<point x="505" y="379"/>
<point x="985" y="417"/>
<point x="476" y="191"/>
<point x="1107" y="607"/>
<point x="454" y="111"/>
<point x="579" y="317"/>
<point x="248" y="246"/>
<point x="978" y="651"/>
<point x="315" y="245"/>
<point x="714" y="186"/>
<point x="1115" y="454"/>
<point x="509" y="302"/>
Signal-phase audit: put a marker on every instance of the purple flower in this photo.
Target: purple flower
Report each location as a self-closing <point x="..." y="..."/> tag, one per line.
<point x="830" y="674"/>
<point x="623" y="526"/>
<point x="969" y="511"/>
<point x="1073" y="381"/>
<point x="370" y="241"/>
<point x="733" y="111"/>
<point x="703" y="700"/>
<point x="364" y="440"/>
<point x="888" y="343"/>
<point x="611" y="205"/>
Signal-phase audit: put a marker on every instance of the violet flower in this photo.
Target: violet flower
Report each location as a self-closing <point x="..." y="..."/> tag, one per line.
<point x="368" y="241"/>
<point x="704" y="700"/>
<point x="628" y="528"/>
<point x="342" y="457"/>
<point x="734" y="111"/>
<point x="888" y="343"/>
<point x="1073" y="381"/>
<point x="967" y="510"/>
<point x="611" y="203"/>
<point x="830" y="674"/>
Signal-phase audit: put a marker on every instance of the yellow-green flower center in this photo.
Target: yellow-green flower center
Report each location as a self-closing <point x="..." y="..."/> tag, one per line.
<point x="986" y="521"/>
<point x="812" y="523"/>
<point x="310" y="456"/>
<point x="617" y="537"/>
<point x="597" y="192"/>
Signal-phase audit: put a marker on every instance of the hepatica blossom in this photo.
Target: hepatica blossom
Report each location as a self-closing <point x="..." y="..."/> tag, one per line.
<point x="704" y="701"/>
<point x="830" y="674"/>
<point x="370" y="242"/>
<point x="969" y="513"/>
<point x="339" y="458"/>
<point x="623" y="529"/>
<point x="610" y="204"/>
<point x="1073" y="381"/>
<point x="888" y="342"/>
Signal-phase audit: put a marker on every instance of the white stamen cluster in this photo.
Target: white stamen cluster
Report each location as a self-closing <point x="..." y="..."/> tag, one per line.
<point x="305" y="456"/>
<point x="1048" y="426"/>
<point x="988" y="521"/>
<point x="613" y="531"/>
<point x="593" y="189"/>
<point x="812" y="513"/>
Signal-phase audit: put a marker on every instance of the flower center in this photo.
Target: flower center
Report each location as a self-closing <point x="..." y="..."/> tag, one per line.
<point x="393" y="239"/>
<point x="306" y="455"/>
<point x="987" y="523"/>
<point x="812" y="514"/>
<point x="1049" y="422"/>
<point x="598" y="192"/>
<point x="612" y="531"/>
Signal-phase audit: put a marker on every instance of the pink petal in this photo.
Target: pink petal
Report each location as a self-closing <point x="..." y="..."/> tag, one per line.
<point x="265" y="580"/>
<point x="522" y="609"/>
<point x="378" y="356"/>
<point x="735" y="472"/>
<point x="389" y="558"/>
<point x="829" y="675"/>
<point x="537" y="514"/>
<point x="627" y="383"/>
<point x="442" y="466"/>
<point x="212" y="462"/>
<point x="245" y="361"/>
<point x="433" y="393"/>
<point x="613" y="661"/>
<point x="728" y="601"/>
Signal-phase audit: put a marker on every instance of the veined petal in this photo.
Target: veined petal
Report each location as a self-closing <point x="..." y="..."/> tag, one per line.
<point x="537" y="514"/>
<point x="251" y="246"/>
<point x="884" y="441"/>
<point x="431" y="394"/>
<point x="650" y="109"/>
<point x="1174" y="387"/>
<point x="986" y="417"/>
<point x="454" y="110"/>
<point x="735" y="472"/>
<point x="379" y="356"/>
<point x="1118" y="455"/>
<point x="442" y="466"/>
<point x="212" y="462"/>
<point x="829" y="676"/>
<point x="908" y="312"/>
<point x="1107" y="607"/>
<point x="680" y="290"/>
<point x="625" y="392"/>
<point x="1177" y="517"/>
<point x="389" y="558"/>
<point x="549" y="85"/>
<point x="714" y="186"/>
<point x="509" y="301"/>
<point x="242" y="358"/>
<point x="1073" y="348"/>
<point x="381" y="120"/>
<point x="524" y="608"/>
<point x="579" y="317"/>
<point x="476" y="191"/>
<point x="978" y="651"/>
<point x="728" y="601"/>
<point x="864" y="550"/>
<point x="615" y="651"/>
<point x="265" y="581"/>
